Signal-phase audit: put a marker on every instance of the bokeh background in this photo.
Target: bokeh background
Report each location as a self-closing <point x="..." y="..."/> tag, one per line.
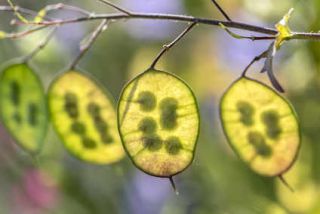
<point x="209" y="60"/>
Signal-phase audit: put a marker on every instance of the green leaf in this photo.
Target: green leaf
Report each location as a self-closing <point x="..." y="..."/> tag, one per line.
<point x="261" y="126"/>
<point x="158" y="121"/>
<point x="84" y="117"/>
<point x="23" y="106"/>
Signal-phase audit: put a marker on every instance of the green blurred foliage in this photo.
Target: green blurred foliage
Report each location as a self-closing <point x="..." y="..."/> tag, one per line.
<point x="208" y="59"/>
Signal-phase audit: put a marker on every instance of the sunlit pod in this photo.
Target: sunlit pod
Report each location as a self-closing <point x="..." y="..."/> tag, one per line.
<point x="23" y="106"/>
<point x="261" y="126"/>
<point x="84" y="117"/>
<point x="158" y="120"/>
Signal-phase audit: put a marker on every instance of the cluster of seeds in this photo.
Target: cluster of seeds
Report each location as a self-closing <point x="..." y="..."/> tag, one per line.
<point x="168" y="121"/>
<point x="86" y="132"/>
<point x="158" y="122"/>
<point x="269" y="118"/>
<point x="253" y="117"/>
<point x="94" y="110"/>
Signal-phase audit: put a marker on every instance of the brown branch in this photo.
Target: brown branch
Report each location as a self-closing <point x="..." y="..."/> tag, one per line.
<point x="173" y="17"/>
<point x="159" y="16"/>
<point x="221" y="10"/>
<point x="116" y="7"/>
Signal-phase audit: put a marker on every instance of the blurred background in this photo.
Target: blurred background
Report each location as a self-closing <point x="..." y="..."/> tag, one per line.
<point x="209" y="60"/>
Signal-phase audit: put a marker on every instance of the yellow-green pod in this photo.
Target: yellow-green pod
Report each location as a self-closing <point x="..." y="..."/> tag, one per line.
<point x="261" y="126"/>
<point x="23" y="106"/>
<point x="84" y="117"/>
<point x="158" y="121"/>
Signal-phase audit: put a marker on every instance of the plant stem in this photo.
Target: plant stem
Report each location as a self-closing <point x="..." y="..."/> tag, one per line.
<point x="116" y="7"/>
<point x="90" y="42"/>
<point x="172" y="17"/>
<point x="171" y="44"/>
<point x="173" y="185"/>
<point x="221" y="10"/>
<point x="159" y="16"/>
<point x="255" y="59"/>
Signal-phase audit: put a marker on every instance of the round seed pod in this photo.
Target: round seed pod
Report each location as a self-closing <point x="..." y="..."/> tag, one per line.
<point x="158" y="121"/>
<point x="261" y="126"/>
<point x="23" y="106"/>
<point x="84" y="117"/>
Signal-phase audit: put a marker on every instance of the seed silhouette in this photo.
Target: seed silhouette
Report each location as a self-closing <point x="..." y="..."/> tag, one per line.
<point x="246" y="110"/>
<point x="88" y="143"/>
<point x="15" y="93"/>
<point x="17" y="118"/>
<point x="71" y="105"/>
<point x="152" y="142"/>
<point x="258" y="142"/>
<point x="168" y="118"/>
<point x="148" y="125"/>
<point x="147" y="101"/>
<point x="78" y="128"/>
<point x="271" y="121"/>
<point x="173" y="145"/>
<point x="106" y="138"/>
<point x="32" y="114"/>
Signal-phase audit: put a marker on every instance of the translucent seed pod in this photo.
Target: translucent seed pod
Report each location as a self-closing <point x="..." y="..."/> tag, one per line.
<point x="83" y="115"/>
<point x="23" y="106"/>
<point x="158" y="120"/>
<point x="261" y="126"/>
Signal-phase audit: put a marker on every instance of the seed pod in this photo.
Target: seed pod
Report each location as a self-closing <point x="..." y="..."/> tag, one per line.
<point x="158" y="121"/>
<point x="261" y="126"/>
<point x="23" y="106"/>
<point x="83" y="115"/>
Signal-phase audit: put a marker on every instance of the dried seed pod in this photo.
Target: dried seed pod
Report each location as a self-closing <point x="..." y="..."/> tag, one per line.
<point x="158" y="121"/>
<point x="261" y="126"/>
<point x="23" y="106"/>
<point x="84" y="117"/>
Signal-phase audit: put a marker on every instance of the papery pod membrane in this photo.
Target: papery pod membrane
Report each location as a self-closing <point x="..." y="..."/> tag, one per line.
<point x="23" y="106"/>
<point x="84" y="117"/>
<point x="261" y="126"/>
<point x="158" y="120"/>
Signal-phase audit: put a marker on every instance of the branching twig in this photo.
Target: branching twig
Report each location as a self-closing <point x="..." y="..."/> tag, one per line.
<point x="25" y="32"/>
<point x="116" y="7"/>
<point x="90" y="42"/>
<point x="171" y="44"/>
<point x="221" y="10"/>
<point x="255" y="59"/>
<point x="173" y="17"/>
<point x="19" y="9"/>
<point x="159" y="16"/>
<point x="61" y="6"/>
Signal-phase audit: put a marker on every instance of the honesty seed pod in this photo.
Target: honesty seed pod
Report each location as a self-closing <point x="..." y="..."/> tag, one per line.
<point x="261" y="126"/>
<point x="23" y="106"/>
<point x="158" y="121"/>
<point x="83" y="115"/>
